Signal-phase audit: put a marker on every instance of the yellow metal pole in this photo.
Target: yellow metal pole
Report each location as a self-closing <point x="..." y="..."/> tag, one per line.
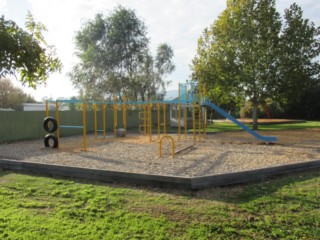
<point x="199" y="120"/>
<point x="104" y="121"/>
<point x="95" y="120"/>
<point x="205" y="123"/>
<point x="158" y="107"/>
<point x="47" y="108"/>
<point x="200" y="112"/>
<point x="194" y="121"/>
<point x="84" y="122"/>
<point x="57" y="118"/>
<point x="185" y="113"/>
<point x="150" y="121"/>
<point x="144" y="120"/>
<point x="164" y="119"/>
<point x="179" y="119"/>
<point x="124" y="113"/>
<point x="115" y="116"/>
<point x="205" y="113"/>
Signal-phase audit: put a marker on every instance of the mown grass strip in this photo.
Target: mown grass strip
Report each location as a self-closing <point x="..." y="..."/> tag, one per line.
<point x="45" y="208"/>
<point x="228" y="126"/>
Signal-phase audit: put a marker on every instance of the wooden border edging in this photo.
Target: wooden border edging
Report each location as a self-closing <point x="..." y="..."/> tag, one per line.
<point x="96" y="174"/>
<point x="192" y="183"/>
<point x="251" y="175"/>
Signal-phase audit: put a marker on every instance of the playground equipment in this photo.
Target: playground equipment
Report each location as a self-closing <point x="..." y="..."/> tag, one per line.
<point x="194" y="115"/>
<point x="191" y="102"/>
<point x="244" y="127"/>
<point x="160" y="144"/>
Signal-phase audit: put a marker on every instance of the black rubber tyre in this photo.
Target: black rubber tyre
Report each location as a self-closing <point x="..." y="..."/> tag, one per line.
<point x="47" y="141"/>
<point x="50" y="128"/>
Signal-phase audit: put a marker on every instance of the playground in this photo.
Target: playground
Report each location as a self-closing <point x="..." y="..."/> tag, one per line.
<point x="166" y="143"/>
<point x="177" y="146"/>
<point x="226" y="152"/>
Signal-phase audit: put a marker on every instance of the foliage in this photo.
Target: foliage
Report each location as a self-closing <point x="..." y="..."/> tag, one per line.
<point x="11" y="96"/>
<point x="299" y="47"/>
<point x="228" y="101"/>
<point x="307" y="106"/>
<point x="268" y="109"/>
<point x="44" y="208"/>
<point x="115" y="58"/>
<point x="26" y="52"/>
<point x="248" y="51"/>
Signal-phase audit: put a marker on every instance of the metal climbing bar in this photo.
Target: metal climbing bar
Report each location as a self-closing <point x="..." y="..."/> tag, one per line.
<point x="160" y="145"/>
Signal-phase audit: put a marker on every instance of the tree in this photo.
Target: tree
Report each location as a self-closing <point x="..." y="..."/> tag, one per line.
<point x="251" y="51"/>
<point x="26" y="52"/>
<point x="298" y="65"/>
<point x="237" y="53"/>
<point x="11" y="96"/>
<point x="153" y="72"/>
<point x="115" y="58"/>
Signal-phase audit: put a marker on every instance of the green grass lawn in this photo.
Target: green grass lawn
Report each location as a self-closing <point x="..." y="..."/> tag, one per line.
<point x="228" y="126"/>
<point x="47" y="208"/>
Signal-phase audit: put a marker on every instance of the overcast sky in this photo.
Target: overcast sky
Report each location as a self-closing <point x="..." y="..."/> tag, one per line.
<point x="176" y="22"/>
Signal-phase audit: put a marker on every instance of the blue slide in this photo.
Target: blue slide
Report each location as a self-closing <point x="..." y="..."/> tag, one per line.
<point x="244" y="127"/>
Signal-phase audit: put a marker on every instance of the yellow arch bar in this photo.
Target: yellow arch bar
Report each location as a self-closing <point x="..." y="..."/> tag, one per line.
<point x="160" y="145"/>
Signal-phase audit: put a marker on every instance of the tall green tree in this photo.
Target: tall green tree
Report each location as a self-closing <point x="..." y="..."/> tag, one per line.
<point x="154" y="70"/>
<point x="299" y="68"/>
<point x="237" y="52"/>
<point x="115" y="58"/>
<point x="26" y="52"/>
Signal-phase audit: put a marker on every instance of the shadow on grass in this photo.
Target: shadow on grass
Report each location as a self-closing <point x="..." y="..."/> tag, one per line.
<point x="247" y="192"/>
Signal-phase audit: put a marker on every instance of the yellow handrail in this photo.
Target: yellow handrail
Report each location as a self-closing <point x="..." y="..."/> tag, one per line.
<point x="160" y="145"/>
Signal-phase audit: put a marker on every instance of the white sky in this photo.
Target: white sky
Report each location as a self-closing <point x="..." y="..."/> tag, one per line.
<point x="176" y="22"/>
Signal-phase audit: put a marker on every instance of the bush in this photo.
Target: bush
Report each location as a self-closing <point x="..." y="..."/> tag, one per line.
<point x="307" y="107"/>
<point x="271" y="109"/>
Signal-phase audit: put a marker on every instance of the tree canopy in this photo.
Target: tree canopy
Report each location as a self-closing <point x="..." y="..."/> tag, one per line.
<point x="11" y="96"/>
<point x="250" y="51"/>
<point x="115" y="58"/>
<point x="26" y="52"/>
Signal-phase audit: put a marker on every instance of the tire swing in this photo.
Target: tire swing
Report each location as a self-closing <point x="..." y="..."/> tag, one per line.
<point x="50" y="124"/>
<point x="51" y="141"/>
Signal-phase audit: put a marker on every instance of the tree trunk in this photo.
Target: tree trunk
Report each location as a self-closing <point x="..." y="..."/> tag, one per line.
<point x="255" y="115"/>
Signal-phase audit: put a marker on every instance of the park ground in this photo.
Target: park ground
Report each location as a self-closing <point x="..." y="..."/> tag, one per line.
<point x="286" y="207"/>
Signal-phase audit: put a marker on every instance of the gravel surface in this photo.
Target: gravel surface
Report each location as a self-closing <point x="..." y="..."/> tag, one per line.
<point x="219" y="153"/>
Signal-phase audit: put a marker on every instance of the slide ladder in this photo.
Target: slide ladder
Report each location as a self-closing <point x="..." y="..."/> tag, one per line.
<point x="244" y="127"/>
